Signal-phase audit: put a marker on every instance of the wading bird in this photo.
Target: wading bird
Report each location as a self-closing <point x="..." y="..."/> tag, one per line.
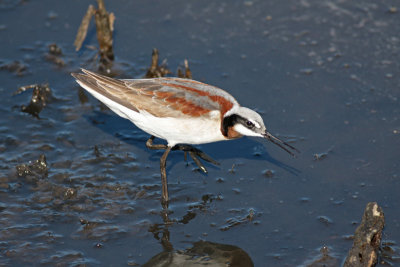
<point x="184" y="112"/>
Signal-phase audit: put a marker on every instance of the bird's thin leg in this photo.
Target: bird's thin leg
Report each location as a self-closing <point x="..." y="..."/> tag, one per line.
<point x="197" y="161"/>
<point x="163" y="160"/>
<point x="150" y="144"/>
<point x="194" y="153"/>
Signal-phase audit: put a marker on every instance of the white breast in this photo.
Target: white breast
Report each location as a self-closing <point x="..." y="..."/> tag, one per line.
<point x="197" y="130"/>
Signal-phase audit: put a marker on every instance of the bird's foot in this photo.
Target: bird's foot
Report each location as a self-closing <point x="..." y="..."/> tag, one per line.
<point x="195" y="154"/>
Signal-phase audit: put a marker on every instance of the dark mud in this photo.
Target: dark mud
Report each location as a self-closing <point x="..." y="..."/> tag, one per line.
<point x="78" y="186"/>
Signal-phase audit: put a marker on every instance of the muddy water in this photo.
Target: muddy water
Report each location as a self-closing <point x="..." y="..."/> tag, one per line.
<point x="78" y="186"/>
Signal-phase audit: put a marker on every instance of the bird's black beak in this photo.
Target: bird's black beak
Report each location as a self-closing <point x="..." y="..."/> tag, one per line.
<point x="285" y="146"/>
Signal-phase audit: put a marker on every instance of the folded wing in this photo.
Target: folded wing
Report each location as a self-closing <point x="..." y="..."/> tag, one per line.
<point x="161" y="97"/>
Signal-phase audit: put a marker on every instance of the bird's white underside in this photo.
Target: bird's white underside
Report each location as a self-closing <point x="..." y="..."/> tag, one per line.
<point x="195" y="130"/>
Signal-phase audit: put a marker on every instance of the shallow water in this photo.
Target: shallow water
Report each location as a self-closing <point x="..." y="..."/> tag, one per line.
<point x="323" y="74"/>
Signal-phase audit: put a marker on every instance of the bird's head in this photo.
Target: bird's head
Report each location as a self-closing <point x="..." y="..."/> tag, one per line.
<point x="244" y="121"/>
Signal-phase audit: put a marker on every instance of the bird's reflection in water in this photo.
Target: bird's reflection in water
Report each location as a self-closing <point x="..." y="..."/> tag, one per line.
<point x="202" y="253"/>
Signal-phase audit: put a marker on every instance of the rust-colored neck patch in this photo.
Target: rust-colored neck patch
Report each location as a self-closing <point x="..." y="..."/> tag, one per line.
<point x="232" y="134"/>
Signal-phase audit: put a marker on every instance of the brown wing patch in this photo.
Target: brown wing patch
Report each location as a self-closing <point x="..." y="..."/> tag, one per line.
<point x="225" y="104"/>
<point x="182" y="104"/>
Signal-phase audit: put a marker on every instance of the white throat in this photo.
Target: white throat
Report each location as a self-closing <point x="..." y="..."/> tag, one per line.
<point x="245" y="131"/>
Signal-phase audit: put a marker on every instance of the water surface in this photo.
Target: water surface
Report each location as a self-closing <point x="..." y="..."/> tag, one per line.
<point x="323" y="74"/>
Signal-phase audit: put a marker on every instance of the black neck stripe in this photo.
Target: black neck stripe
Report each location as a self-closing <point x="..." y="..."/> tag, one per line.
<point x="230" y="121"/>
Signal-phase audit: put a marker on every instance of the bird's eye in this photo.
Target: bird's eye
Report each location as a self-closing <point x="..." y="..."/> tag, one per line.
<point x="249" y="124"/>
